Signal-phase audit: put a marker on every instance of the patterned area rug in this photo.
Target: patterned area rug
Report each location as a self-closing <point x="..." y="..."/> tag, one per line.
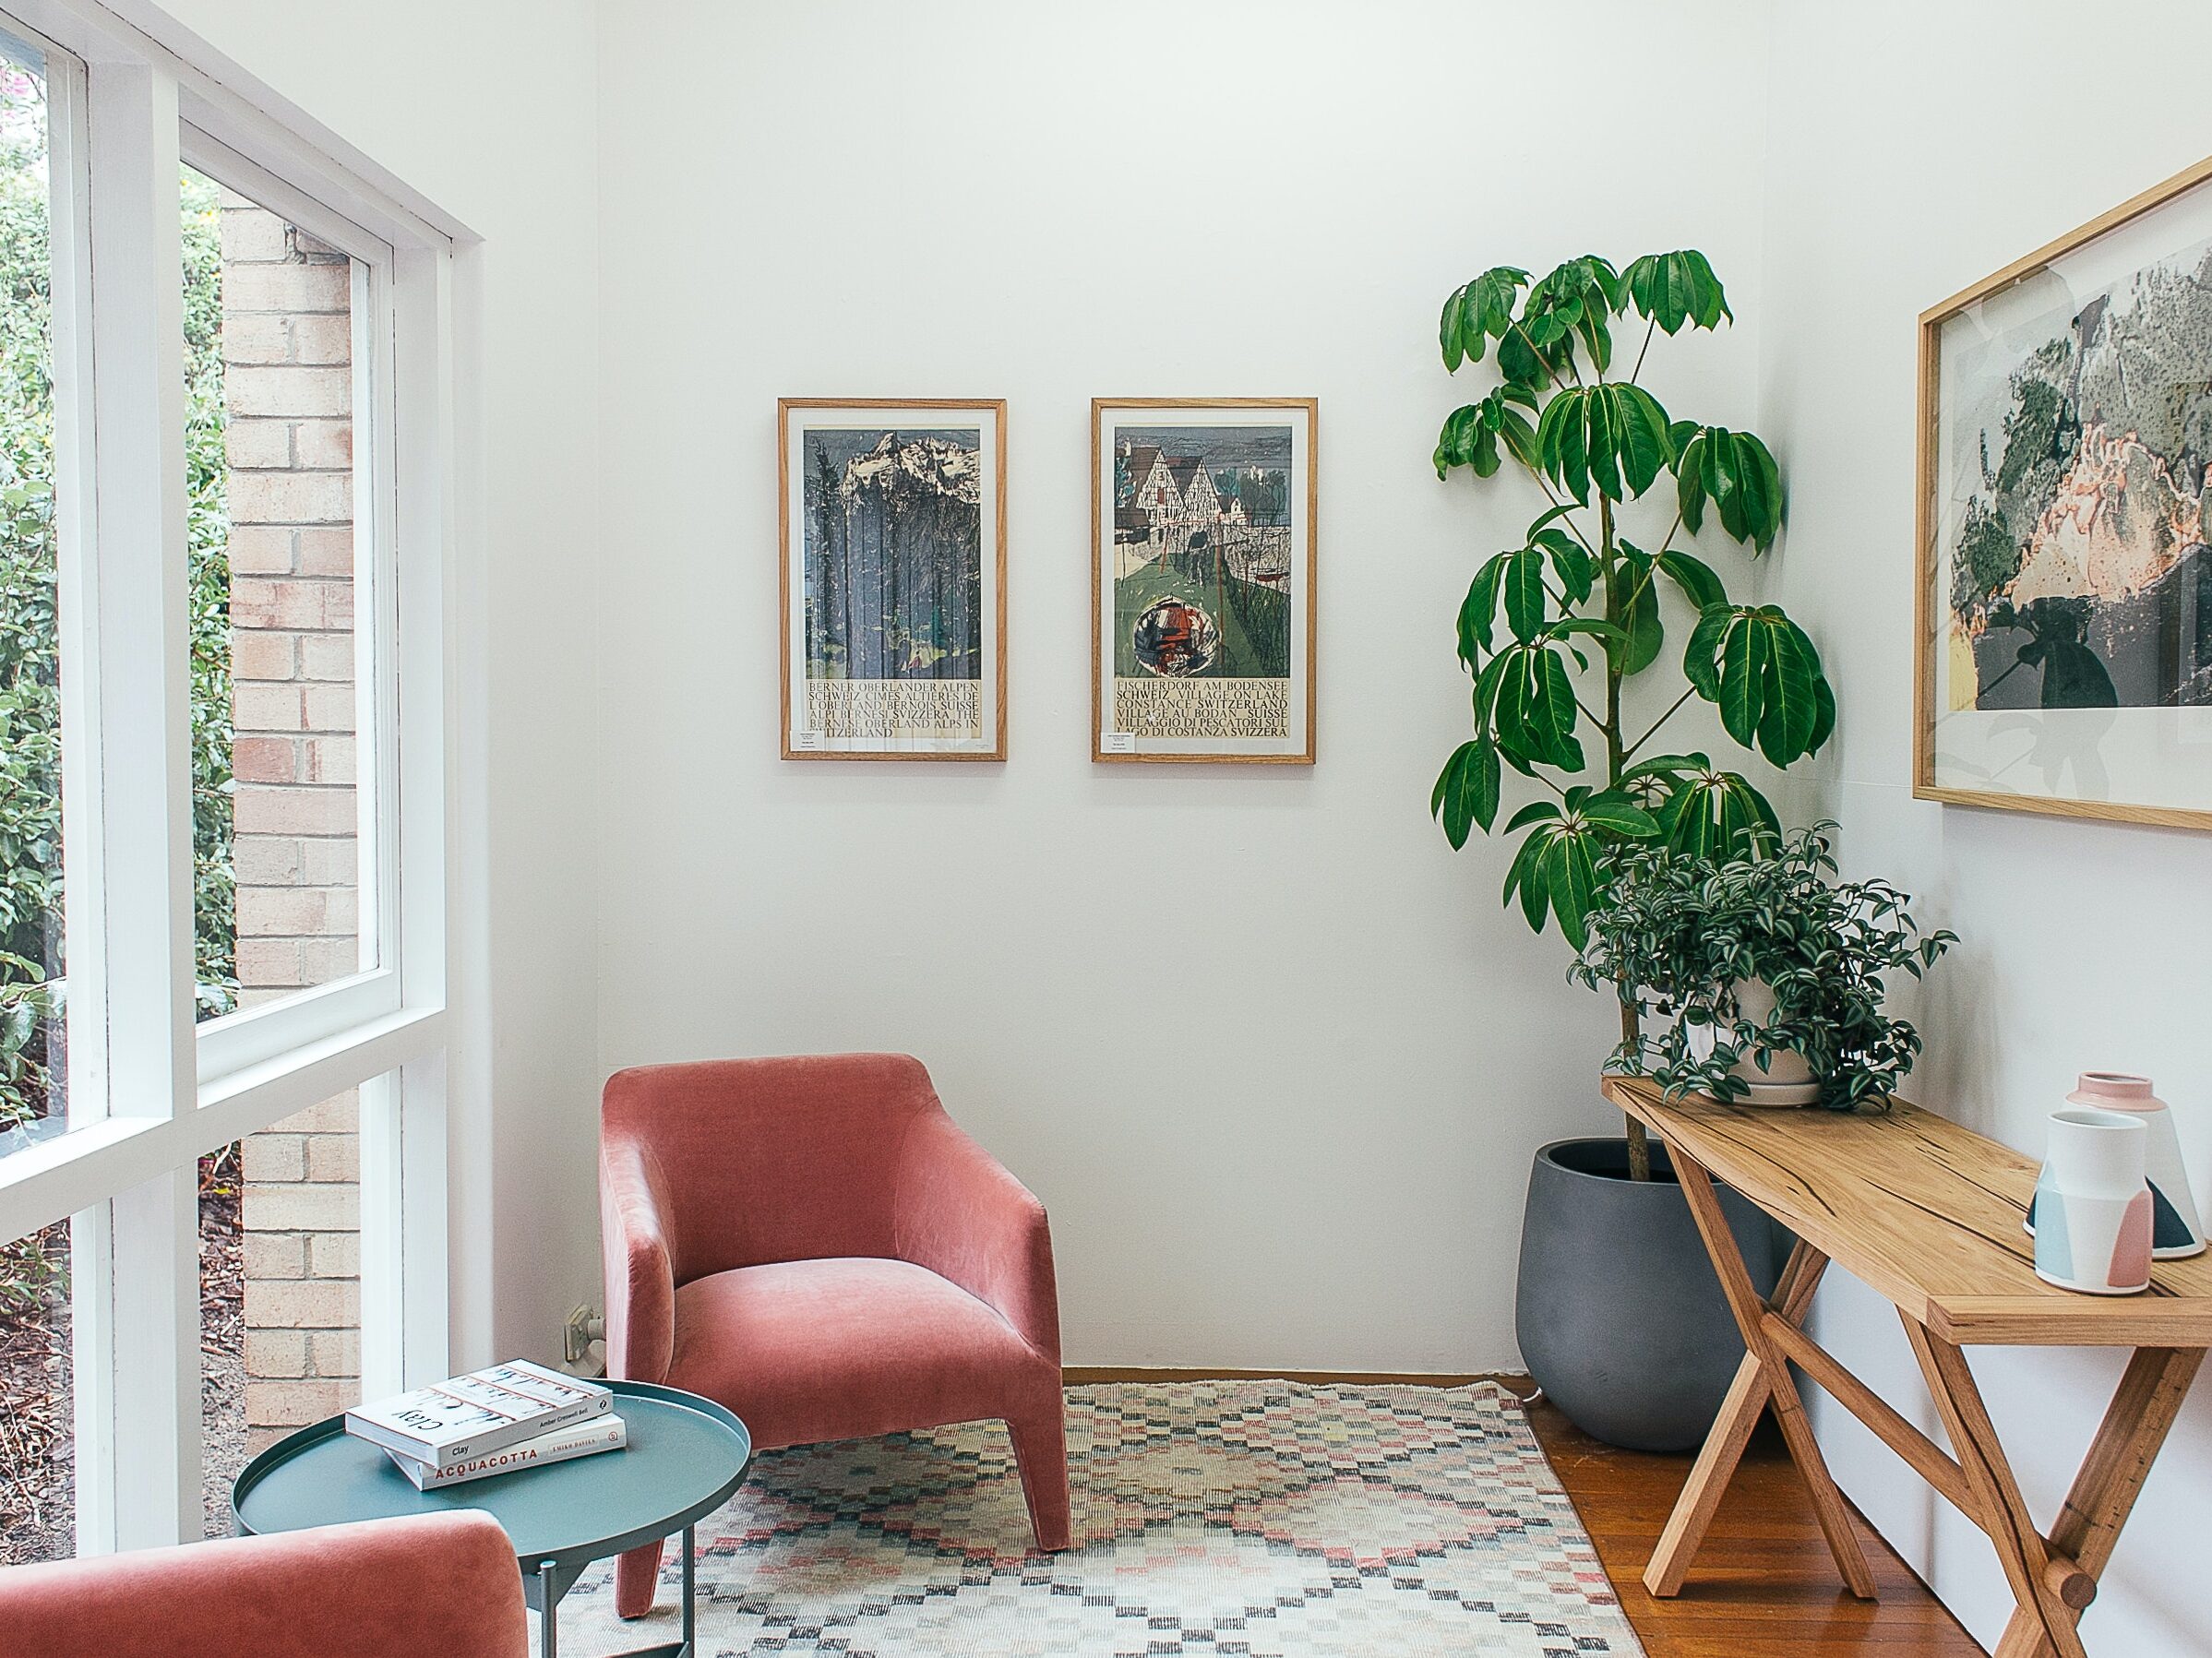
<point x="1248" y="1518"/>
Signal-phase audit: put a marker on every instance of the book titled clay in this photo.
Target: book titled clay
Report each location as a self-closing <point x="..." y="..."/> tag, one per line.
<point x="468" y="1416"/>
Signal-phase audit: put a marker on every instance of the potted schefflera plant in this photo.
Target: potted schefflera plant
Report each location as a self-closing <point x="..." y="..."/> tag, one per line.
<point x="1620" y="1316"/>
<point x="1758" y="977"/>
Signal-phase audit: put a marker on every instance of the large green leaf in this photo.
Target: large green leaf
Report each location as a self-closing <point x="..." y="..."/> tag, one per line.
<point x="1715" y="814"/>
<point x="1672" y="289"/>
<point x="1614" y="811"/>
<point x="1613" y="435"/>
<point x="1635" y="605"/>
<point x="1526" y="599"/>
<point x="1792" y="711"/>
<point x="1570" y="871"/>
<point x="1695" y="578"/>
<point x="1734" y="473"/>
<point x="1480" y="609"/>
<point x="1466" y="790"/>
<point x="1759" y="668"/>
<point x="1578" y="298"/>
<point x="1555" y="870"/>
<point x="1471" y="433"/>
<point x="1478" y="311"/>
<point x="1571" y="561"/>
<point x="1699" y="663"/>
<point x="1533" y="714"/>
<point x="1522" y="875"/>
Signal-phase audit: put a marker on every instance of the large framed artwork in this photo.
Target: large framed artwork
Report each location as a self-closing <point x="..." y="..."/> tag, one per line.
<point x="893" y="533"/>
<point x="2064" y="581"/>
<point x="1201" y="579"/>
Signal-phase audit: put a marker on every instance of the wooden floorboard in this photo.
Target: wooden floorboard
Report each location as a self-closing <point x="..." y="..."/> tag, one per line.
<point x="1763" y="1586"/>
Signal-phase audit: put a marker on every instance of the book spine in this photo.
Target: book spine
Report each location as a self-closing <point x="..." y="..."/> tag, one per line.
<point x="426" y="1478"/>
<point x="507" y="1433"/>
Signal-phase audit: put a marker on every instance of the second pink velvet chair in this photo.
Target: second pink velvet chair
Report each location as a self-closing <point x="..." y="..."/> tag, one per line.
<point x="814" y="1243"/>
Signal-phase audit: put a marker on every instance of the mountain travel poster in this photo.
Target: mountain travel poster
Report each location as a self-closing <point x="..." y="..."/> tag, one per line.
<point x="894" y="580"/>
<point x="2067" y="582"/>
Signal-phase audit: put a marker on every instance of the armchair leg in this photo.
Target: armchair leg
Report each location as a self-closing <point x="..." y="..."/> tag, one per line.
<point x="1041" y="1454"/>
<point x="637" y="1574"/>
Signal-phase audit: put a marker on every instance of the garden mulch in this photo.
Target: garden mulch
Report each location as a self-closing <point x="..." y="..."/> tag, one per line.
<point x="37" y="1437"/>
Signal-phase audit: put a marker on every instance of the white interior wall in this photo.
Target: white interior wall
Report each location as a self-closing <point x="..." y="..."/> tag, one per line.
<point x="1915" y="150"/>
<point x="489" y="109"/>
<point x="1269" y="1051"/>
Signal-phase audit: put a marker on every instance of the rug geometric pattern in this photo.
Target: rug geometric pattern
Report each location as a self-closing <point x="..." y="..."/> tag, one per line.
<point x="1252" y="1519"/>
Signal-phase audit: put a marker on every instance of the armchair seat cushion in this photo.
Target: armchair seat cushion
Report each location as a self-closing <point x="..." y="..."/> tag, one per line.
<point x="848" y="1347"/>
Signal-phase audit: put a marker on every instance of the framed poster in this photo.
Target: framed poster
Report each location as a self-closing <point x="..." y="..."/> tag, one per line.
<point x="1201" y="579"/>
<point x="2065" y="602"/>
<point x="893" y="534"/>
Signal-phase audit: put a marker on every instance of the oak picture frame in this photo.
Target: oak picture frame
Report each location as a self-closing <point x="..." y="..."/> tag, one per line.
<point x="992" y="553"/>
<point x="1928" y="561"/>
<point x="1302" y="585"/>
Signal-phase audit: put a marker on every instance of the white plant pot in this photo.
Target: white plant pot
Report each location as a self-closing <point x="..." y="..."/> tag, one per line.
<point x="1785" y="1079"/>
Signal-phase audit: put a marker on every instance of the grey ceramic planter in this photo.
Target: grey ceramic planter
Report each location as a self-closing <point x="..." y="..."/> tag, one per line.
<point x="1620" y="1316"/>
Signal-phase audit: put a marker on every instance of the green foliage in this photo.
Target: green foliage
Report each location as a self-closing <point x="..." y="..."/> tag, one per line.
<point x="1580" y="602"/>
<point x="30" y="750"/>
<point x="31" y="815"/>
<point x="1683" y="931"/>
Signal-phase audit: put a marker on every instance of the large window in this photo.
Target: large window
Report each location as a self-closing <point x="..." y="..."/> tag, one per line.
<point x="33" y="1056"/>
<point x="226" y="487"/>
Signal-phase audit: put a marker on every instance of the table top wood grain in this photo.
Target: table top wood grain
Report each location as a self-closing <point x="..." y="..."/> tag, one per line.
<point x="1923" y="1210"/>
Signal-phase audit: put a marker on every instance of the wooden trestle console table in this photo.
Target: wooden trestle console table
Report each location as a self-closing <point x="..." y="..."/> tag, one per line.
<point x="1928" y="1214"/>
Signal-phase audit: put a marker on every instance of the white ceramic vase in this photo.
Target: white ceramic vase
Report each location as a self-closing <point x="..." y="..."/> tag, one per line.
<point x="2092" y="1205"/>
<point x="1788" y="1080"/>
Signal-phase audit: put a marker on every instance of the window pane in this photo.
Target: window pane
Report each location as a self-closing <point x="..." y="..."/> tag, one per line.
<point x="38" y="1506"/>
<point x="279" y="790"/>
<point x="280" y="1287"/>
<point x="33" y="1094"/>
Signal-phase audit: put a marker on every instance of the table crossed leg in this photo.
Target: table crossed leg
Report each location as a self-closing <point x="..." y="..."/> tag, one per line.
<point x="1764" y="1378"/>
<point x="2054" y="1577"/>
<point x="2136" y="1425"/>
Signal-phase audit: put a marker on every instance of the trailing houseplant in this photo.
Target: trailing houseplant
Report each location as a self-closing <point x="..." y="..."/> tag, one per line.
<point x="1754" y="958"/>
<point x="1554" y="629"/>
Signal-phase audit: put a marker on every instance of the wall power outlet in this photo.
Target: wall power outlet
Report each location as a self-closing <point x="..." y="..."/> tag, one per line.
<point x="584" y="1327"/>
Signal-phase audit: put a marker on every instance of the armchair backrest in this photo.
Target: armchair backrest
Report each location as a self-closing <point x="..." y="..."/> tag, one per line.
<point x="442" y="1584"/>
<point x="752" y="1160"/>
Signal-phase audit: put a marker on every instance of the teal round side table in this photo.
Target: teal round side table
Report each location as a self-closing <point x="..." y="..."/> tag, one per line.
<point x="685" y="1458"/>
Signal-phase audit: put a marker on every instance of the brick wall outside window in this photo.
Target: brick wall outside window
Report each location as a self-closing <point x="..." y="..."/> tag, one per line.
<point x="287" y="341"/>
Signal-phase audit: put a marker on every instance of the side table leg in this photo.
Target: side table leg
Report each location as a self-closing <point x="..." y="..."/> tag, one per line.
<point x="1828" y="1505"/>
<point x="549" y="1597"/>
<point x="690" y="1590"/>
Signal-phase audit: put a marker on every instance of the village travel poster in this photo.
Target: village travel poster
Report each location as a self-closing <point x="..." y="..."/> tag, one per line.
<point x="1203" y="602"/>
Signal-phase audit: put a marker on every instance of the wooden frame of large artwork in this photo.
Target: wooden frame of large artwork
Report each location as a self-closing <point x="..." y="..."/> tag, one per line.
<point x="1927" y="564"/>
<point x="991" y="745"/>
<point x="1296" y="749"/>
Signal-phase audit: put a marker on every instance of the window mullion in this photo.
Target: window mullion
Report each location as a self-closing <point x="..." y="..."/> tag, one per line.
<point x="141" y="1352"/>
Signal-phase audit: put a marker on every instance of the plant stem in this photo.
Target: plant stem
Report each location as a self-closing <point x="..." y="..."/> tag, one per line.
<point x="1639" y="1142"/>
<point x="1641" y="349"/>
<point x="1687" y="694"/>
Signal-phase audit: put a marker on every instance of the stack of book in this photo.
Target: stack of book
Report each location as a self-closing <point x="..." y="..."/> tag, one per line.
<point x="513" y="1415"/>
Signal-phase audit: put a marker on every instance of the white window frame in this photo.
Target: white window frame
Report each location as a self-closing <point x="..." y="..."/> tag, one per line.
<point x="149" y="1091"/>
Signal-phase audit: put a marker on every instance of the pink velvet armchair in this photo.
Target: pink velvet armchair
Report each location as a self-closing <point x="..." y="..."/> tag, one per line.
<point x="432" y="1584"/>
<point x="814" y="1243"/>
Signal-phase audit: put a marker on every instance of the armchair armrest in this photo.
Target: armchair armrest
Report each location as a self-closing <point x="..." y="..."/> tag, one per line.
<point x="639" y="1268"/>
<point x="442" y="1584"/>
<point x="958" y="1213"/>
